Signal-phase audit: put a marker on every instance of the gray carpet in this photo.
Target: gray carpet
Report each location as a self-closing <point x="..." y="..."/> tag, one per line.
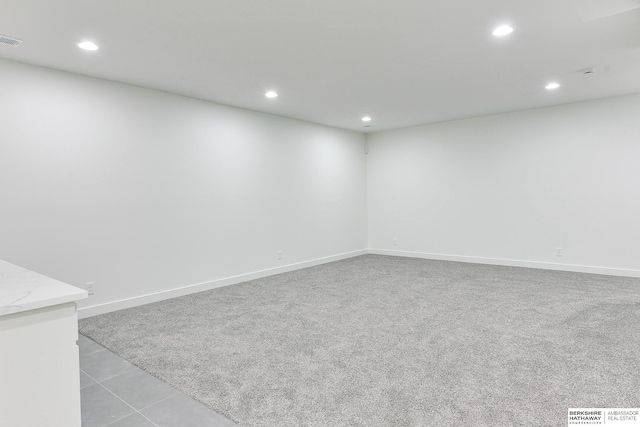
<point x="387" y="341"/>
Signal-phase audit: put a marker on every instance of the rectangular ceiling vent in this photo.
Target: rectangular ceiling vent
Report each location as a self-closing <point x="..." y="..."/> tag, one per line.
<point x="10" y="41"/>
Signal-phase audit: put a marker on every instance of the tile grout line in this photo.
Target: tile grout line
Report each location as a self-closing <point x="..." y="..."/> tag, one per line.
<point x="162" y="400"/>
<point x="93" y="379"/>
<point x="133" y="367"/>
<point x="103" y="386"/>
<point x="102" y="348"/>
<point x="95" y="351"/>
<point x="135" y="410"/>
<point x="126" y="403"/>
<point x="177" y="392"/>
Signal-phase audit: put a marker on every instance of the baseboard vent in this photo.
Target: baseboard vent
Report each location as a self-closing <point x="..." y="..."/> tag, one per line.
<point x="10" y="41"/>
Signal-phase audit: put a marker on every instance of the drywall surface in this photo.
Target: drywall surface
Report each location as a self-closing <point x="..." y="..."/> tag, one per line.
<point x="142" y="192"/>
<point x="513" y="187"/>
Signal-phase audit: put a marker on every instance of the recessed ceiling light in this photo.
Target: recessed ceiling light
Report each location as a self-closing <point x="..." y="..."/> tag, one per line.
<point x="502" y="30"/>
<point x="552" y="86"/>
<point x="271" y="94"/>
<point x="366" y="119"/>
<point x="88" y="46"/>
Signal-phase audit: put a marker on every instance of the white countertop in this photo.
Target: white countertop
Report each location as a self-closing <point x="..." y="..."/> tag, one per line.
<point x="22" y="290"/>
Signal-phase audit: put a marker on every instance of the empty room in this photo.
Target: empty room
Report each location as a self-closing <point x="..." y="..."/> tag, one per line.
<point x="220" y="213"/>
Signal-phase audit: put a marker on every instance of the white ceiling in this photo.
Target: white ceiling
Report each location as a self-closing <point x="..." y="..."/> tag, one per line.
<point x="403" y="62"/>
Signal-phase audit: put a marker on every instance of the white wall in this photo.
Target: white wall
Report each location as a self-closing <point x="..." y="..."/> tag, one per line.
<point x="142" y="192"/>
<point x="513" y="187"/>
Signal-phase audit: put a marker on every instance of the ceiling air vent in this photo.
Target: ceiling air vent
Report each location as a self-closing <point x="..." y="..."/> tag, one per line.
<point x="10" y="41"/>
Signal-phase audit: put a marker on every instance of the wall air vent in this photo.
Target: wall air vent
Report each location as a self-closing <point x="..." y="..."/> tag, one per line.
<point x="10" y="41"/>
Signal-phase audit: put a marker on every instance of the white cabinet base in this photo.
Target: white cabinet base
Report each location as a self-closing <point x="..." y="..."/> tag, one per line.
<point x="39" y="374"/>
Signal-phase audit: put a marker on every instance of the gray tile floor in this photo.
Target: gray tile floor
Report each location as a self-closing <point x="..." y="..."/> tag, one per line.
<point x="116" y="393"/>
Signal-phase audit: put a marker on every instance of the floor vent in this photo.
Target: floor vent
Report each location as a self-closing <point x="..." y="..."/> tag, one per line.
<point x="10" y="41"/>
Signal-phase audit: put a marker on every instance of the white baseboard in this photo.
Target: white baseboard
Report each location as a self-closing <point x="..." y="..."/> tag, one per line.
<point x="199" y="287"/>
<point x="512" y="263"/>
<point x="205" y="286"/>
